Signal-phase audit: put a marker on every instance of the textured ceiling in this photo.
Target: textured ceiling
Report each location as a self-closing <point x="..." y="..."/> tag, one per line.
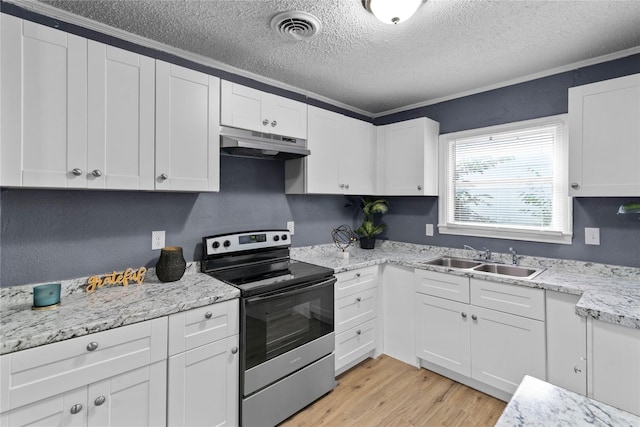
<point x="449" y="47"/>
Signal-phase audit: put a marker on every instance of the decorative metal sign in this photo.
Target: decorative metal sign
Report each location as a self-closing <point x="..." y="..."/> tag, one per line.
<point x="116" y="278"/>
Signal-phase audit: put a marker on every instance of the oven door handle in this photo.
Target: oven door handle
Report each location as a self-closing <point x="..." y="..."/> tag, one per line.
<point x="295" y="291"/>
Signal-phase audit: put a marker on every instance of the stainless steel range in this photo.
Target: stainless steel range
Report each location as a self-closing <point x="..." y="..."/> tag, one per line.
<point x="286" y="323"/>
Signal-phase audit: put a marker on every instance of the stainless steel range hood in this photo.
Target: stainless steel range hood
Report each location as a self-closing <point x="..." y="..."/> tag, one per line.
<point x="246" y="143"/>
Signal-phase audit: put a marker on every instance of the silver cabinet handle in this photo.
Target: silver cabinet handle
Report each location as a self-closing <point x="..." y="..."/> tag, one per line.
<point x="92" y="346"/>
<point x="464" y="315"/>
<point x="575" y="185"/>
<point x="97" y="173"/>
<point x="474" y="317"/>
<point x="75" y="409"/>
<point x="577" y="370"/>
<point x="357" y="274"/>
<point x="274" y="124"/>
<point x="234" y="350"/>
<point x="265" y="122"/>
<point x="358" y="332"/>
<point x="208" y="315"/>
<point x="346" y="186"/>
<point x="99" y="400"/>
<point x="77" y="171"/>
<point x="164" y="176"/>
<point x="341" y="185"/>
<point x="358" y="299"/>
<point x="419" y="187"/>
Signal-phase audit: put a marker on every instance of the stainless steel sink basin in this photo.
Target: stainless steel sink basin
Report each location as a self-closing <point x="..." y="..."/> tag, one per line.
<point x="453" y="262"/>
<point x="507" y="270"/>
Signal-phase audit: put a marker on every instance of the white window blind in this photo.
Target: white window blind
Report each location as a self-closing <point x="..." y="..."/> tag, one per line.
<point x="507" y="181"/>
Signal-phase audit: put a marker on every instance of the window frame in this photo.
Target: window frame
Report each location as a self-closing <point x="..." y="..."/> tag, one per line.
<point x="563" y="236"/>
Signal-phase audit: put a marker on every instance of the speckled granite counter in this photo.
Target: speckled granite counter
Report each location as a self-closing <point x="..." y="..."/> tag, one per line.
<point x="609" y="293"/>
<point x="538" y="403"/>
<point x="106" y="308"/>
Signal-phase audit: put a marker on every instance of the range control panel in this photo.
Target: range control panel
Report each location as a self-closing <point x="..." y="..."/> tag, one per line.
<point x="240" y="242"/>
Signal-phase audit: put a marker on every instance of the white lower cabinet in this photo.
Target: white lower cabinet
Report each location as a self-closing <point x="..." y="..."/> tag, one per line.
<point x="613" y="363"/>
<point x="566" y="343"/>
<point x="203" y="366"/>
<point x="485" y="340"/>
<point x="356" y="308"/>
<point x="112" y="378"/>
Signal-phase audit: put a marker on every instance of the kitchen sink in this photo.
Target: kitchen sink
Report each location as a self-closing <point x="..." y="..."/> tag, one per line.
<point x="507" y="270"/>
<point x="485" y="267"/>
<point x="454" y="262"/>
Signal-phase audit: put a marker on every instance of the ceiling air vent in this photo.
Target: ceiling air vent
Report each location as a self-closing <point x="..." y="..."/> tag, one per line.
<point x="296" y="25"/>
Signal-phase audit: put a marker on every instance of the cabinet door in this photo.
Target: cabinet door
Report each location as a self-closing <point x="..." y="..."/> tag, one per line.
<point x="121" y="119"/>
<point x="355" y="154"/>
<point x="286" y="116"/>
<point x="604" y="138"/>
<point x="322" y="166"/>
<point x="53" y="411"/>
<point x="187" y="129"/>
<point x="203" y="385"/>
<point x="44" y="111"/>
<point x="411" y="157"/>
<point x="134" y="398"/>
<point x="505" y="348"/>
<point x="242" y="107"/>
<point x="613" y="360"/>
<point x="566" y="343"/>
<point x="442" y="333"/>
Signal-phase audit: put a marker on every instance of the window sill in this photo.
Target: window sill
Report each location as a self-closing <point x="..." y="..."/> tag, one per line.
<point x="502" y="233"/>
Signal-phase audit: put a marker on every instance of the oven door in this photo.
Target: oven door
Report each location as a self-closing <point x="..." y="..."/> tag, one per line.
<point x="278" y="322"/>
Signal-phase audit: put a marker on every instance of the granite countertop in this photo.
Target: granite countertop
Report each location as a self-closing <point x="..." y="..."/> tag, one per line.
<point x="608" y="293"/>
<point x="538" y="403"/>
<point x="108" y="307"/>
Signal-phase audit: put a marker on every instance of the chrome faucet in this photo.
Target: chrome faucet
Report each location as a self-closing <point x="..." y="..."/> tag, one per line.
<point x="484" y="254"/>
<point x="514" y="256"/>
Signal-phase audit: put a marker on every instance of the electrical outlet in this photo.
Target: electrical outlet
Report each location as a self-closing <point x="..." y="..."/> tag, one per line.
<point x="429" y="230"/>
<point x="157" y="240"/>
<point x="591" y="236"/>
<point x="290" y="227"/>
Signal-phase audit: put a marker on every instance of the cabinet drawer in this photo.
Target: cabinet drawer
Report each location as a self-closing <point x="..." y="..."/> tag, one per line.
<point x="442" y="285"/>
<point x="355" y="309"/>
<point x="519" y="300"/>
<point x="355" y="342"/>
<point x="40" y="372"/>
<point x="351" y="282"/>
<point x="204" y="325"/>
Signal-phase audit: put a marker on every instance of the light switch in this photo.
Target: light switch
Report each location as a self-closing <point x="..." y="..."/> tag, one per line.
<point x="591" y="236"/>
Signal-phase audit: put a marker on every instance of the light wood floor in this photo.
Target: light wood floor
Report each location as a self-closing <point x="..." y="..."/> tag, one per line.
<point x="387" y="392"/>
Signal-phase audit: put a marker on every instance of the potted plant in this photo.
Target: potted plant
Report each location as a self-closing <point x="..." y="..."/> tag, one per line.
<point x="368" y="230"/>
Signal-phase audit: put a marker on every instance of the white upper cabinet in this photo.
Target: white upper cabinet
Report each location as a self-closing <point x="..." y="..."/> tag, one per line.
<point x="44" y="106"/>
<point x="342" y="156"/>
<point x="604" y="138"/>
<point x="121" y="119"/>
<point x="247" y="108"/>
<point x="187" y="129"/>
<point x="408" y="158"/>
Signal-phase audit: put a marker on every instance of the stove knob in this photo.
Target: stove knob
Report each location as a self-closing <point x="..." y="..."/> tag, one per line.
<point x="215" y="245"/>
<point x="226" y="243"/>
<point x="276" y="238"/>
<point x="284" y="237"/>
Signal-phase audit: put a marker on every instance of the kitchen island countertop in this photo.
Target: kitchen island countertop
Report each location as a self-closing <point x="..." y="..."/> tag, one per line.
<point x="538" y="403"/>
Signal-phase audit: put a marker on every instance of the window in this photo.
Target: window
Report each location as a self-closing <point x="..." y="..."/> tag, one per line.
<point x="507" y="181"/>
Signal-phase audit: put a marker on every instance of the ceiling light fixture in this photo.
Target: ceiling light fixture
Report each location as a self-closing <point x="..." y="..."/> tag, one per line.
<point x="392" y="11"/>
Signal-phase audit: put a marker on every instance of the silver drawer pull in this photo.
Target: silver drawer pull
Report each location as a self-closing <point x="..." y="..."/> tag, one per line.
<point x="358" y="332"/>
<point x="75" y="409"/>
<point x="357" y="274"/>
<point x="577" y="370"/>
<point x="208" y="315"/>
<point x="92" y="346"/>
<point x="234" y="350"/>
<point x="99" y="400"/>
<point x="164" y="176"/>
<point x="419" y="187"/>
<point x="464" y="315"/>
<point x="358" y="299"/>
<point x="474" y="317"/>
<point x="575" y="186"/>
<point x="97" y="173"/>
<point x="265" y="122"/>
<point x="274" y="124"/>
<point x="77" y="171"/>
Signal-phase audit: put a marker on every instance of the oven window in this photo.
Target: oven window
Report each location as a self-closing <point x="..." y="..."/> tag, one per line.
<point x="279" y="323"/>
